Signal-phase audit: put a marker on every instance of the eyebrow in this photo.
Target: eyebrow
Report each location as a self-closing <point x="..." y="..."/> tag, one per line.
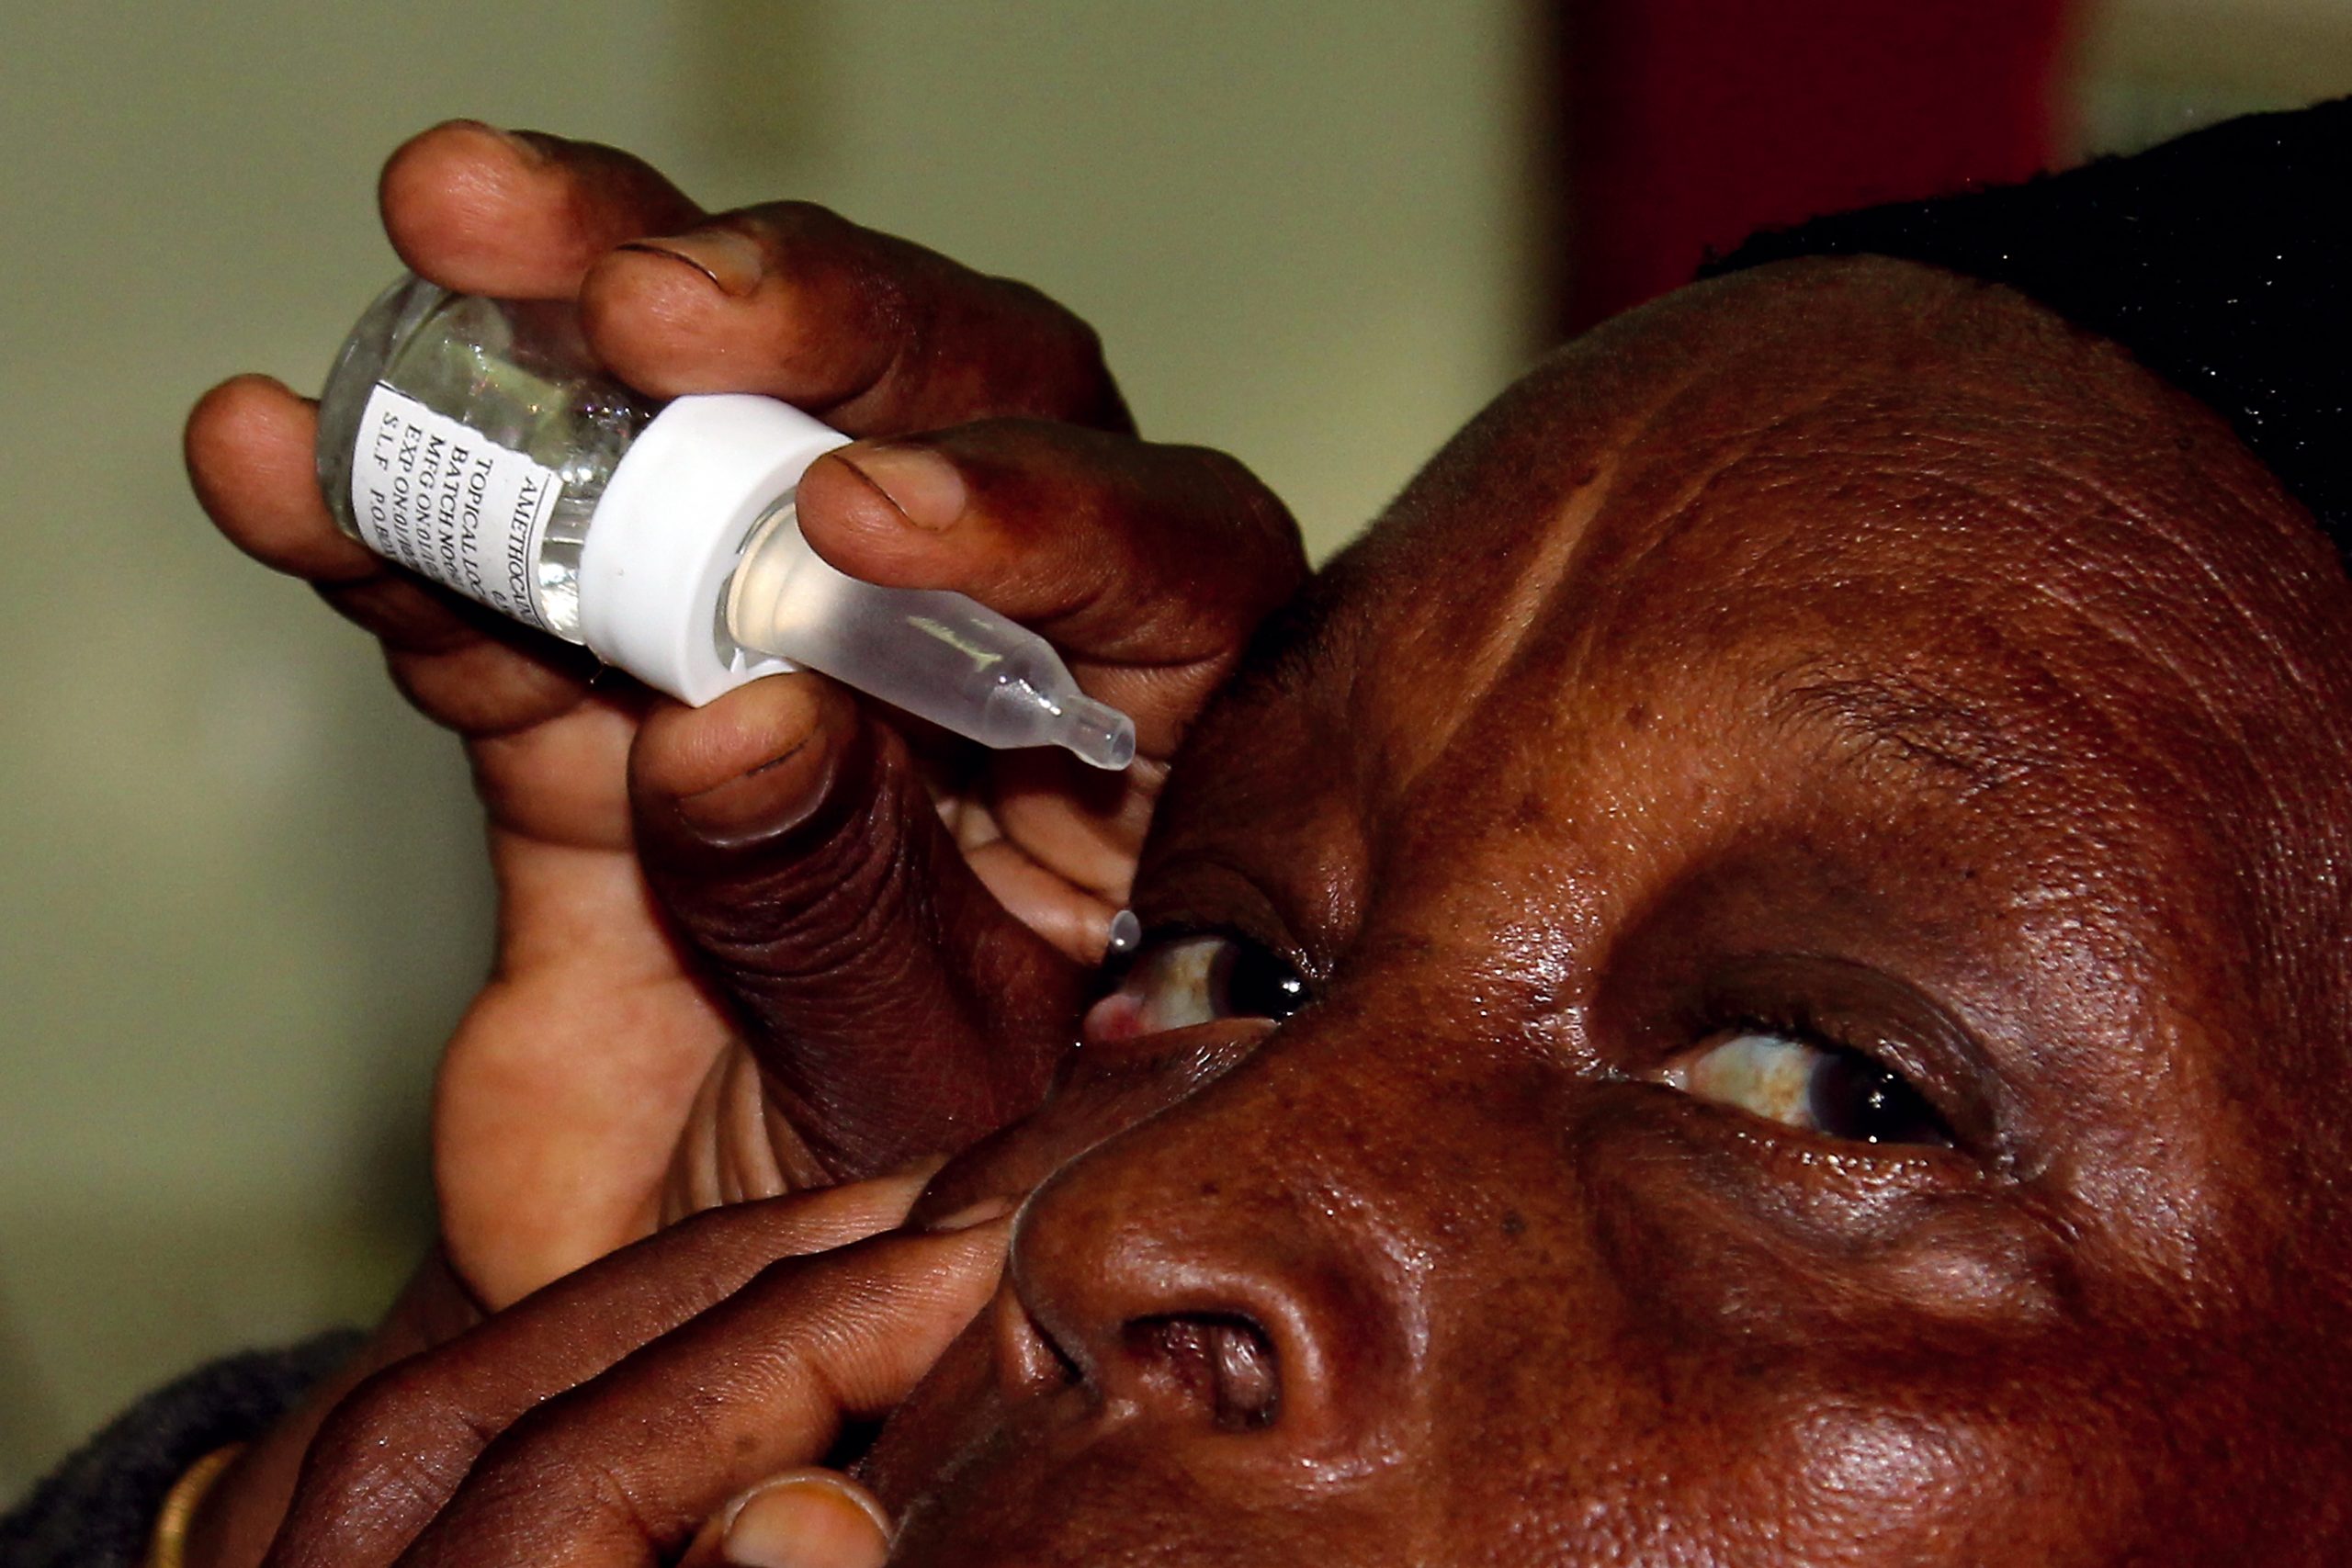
<point x="1884" y="718"/>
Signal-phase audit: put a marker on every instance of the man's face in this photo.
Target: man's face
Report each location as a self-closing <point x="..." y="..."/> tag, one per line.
<point x="1755" y="979"/>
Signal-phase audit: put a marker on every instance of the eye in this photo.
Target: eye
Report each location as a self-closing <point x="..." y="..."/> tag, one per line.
<point x="1191" y="980"/>
<point x="1818" y="1087"/>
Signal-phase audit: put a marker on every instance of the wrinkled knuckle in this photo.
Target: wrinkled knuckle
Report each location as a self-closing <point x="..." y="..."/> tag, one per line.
<point x="1062" y="372"/>
<point x="1078" y="349"/>
<point x="1254" y="515"/>
<point x="1230" y="479"/>
<point x="540" y="1471"/>
<point x="1081" y="344"/>
<point x="831" y="898"/>
<point x="407" y="1397"/>
<point x="403" y="1434"/>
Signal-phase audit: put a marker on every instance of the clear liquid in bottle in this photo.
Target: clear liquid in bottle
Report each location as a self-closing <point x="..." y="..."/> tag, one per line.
<point x="426" y="364"/>
<point x="476" y="442"/>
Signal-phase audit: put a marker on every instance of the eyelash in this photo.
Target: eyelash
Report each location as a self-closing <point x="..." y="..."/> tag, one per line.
<point x="1782" y="1064"/>
<point x="1795" y="1021"/>
<point x="1215" y="965"/>
<point x="1800" y="1024"/>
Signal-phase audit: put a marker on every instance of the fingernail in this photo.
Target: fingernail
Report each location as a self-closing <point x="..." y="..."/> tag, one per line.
<point x="811" y="1521"/>
<point x="734" y="262"/>
<point x="918" y="482"/>
<point x="759" y="794"/>
<point x="529" y="146"/>
<point x="972" y="1214"/>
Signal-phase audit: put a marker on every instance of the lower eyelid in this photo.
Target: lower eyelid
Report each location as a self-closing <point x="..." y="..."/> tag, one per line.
<point x="1116" y="1018"/>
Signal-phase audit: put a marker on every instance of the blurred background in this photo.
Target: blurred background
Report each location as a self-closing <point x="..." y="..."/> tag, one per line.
<point x="241" y="899"/>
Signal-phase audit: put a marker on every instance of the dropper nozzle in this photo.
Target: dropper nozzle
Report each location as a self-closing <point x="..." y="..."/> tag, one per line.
<point x="938" y="655"/>
<point x="1097" y="732"/>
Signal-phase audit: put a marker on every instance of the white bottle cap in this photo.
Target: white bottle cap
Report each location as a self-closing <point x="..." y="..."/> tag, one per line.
<point x="670" y="529"/>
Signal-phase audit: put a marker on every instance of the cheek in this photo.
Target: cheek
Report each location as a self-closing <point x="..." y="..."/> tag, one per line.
<point x="1651" y="1380"/>
<point x="1719" y="1231"/>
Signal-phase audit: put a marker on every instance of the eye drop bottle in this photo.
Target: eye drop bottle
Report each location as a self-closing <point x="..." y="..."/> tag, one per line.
<point x="477" y="443"/>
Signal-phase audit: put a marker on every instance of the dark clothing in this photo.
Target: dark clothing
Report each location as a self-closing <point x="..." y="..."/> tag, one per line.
<point x="96" y="1510"/>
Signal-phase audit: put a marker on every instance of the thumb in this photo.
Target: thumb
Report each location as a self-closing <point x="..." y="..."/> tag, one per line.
<point x="802" y="1519"/>
<point x="895" y="1008"/>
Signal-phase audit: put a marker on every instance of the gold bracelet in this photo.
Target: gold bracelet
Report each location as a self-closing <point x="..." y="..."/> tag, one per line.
<point x="167" y="1545"/>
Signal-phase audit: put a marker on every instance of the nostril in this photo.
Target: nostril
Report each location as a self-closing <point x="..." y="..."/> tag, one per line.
<point x="1220" y="1361"/>
<point x="1030" y="1359"/>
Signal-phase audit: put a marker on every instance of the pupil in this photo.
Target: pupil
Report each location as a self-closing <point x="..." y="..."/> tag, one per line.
<point x="1853" y="1097"/>
<point x="1255" y="984"/>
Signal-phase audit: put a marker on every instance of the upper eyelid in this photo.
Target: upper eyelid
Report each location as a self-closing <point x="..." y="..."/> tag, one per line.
<point x="1185" y="928"/>
<point x="1172" y="909"/>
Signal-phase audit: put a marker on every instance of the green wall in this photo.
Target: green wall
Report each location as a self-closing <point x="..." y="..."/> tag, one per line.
<point x="240" y="900"/>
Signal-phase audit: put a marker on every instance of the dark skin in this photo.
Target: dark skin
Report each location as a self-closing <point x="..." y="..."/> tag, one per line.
<point x="629" y="1064"/>
<point x="1891" y="670"/>
<point x="1839" y="704"/>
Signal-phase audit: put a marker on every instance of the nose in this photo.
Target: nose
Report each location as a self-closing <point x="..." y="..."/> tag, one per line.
<point x="1165" y="1287"/>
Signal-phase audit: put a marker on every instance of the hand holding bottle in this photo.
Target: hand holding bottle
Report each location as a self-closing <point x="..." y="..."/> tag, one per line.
<point x="898" y="930"/>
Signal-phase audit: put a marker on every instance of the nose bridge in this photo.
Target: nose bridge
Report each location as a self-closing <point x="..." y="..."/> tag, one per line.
<point x="1231" y="1265"/>
<point x="1255" y="1257"/>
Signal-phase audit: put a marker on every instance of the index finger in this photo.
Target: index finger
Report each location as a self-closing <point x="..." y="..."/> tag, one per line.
<point x="394" y="1452"/>
<point x="625" y="1470"/>
<point x="518" y="215"/>
<point x="872" y="333"/>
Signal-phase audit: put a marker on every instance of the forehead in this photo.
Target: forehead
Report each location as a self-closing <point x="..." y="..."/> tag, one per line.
<point x="1864" y="498"/>
<point x="1886" y="570"/>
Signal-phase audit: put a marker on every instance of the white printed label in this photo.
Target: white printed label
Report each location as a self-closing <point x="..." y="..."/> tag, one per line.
<point x="451" y="503"/>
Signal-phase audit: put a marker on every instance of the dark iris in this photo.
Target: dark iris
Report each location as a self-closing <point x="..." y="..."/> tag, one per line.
<point x="1249" y="982"/>
<point x="1853" y="1097"/>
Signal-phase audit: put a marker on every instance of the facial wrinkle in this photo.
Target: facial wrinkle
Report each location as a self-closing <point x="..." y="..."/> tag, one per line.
<point x="2117" y="629"/>
<point x="1944" y="742"/>
<point x="2164" y="532"/>
<point x="1576" y="533"/>
<point x="1684" y="510"/>
<point x="2153" y="531"/>
<point x="1490" y="654"/>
